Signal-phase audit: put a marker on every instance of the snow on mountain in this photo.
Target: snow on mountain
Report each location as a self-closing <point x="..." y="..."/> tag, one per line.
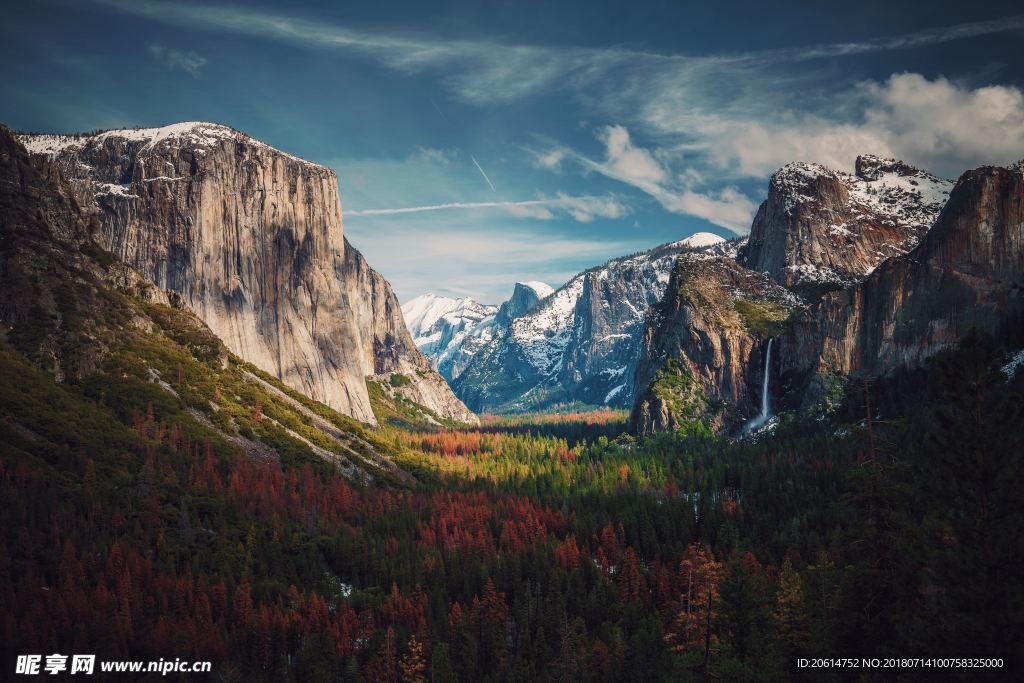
<point x="580" y="343"/>
<point x="541" y="289"/>
<point x="699" y="240"/>
<point x="195" y="134"/>
<point x="822" y="226"/>
<point x="439" y="325"/>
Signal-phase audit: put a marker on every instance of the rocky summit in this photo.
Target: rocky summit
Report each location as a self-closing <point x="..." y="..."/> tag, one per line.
<point x="822" y="229"/>
<point x="249" y="238"/>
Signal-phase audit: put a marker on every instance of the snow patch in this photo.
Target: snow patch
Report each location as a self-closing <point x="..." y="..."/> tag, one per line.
<point x="1017" y="360"/>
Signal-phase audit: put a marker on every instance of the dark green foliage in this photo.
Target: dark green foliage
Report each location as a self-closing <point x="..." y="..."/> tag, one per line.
<point x="399" y="380"/>
<point x="507" y="559"/>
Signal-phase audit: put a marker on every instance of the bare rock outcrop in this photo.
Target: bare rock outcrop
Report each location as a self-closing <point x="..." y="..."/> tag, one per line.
<point x="968" y="272"/>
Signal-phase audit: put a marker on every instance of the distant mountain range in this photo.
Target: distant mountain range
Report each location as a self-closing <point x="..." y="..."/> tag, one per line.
<point x="849" y="272"/>
<point x="579" y="344"/>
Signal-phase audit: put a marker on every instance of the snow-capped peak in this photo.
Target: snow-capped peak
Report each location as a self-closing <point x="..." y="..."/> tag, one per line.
<point x="422" y="312"/>
<point x="699" y="240"/>
<point x="196" y="133"/>
<point x="541" y="289"/>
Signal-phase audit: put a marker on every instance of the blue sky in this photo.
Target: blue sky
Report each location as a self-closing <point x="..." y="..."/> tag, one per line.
<point x="482" y="143"/>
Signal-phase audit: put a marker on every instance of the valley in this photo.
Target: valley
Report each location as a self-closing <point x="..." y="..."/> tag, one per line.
<point x="222" y="439"/>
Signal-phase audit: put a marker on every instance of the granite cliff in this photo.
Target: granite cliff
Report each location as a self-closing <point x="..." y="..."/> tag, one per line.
<point x="883" y="269"/>
<point x="967" y="272"/>
<point x="250" y="239"/>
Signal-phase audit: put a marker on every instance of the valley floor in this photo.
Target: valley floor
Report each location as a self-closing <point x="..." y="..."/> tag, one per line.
<point x="215" y="515"/>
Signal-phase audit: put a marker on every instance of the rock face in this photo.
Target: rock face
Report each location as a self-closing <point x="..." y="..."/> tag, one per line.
<point x="580" y="343"/>
<point x="703" y="350"/>
<point x="250" y="239"/>
<point x="822" y="229"/>
<point x="526" y="296"/>
<point x="967" y="272"/>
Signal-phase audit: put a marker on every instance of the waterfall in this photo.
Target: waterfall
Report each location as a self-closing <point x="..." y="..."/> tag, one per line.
<point x="766" y="409"/>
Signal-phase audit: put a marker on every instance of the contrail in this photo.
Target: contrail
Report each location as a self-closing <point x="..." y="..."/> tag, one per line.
<point x="482" y="172"/>
<point x="438" y="109"/>
<point x="457" y="205"/>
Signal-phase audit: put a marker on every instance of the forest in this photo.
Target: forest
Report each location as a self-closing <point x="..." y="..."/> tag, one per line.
<point x="535" y="547"/>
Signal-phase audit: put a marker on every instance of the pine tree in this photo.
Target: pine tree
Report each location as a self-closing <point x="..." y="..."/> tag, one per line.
<point x="791" y="610"/>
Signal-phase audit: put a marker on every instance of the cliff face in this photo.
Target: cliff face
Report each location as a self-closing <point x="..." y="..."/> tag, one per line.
<point x="967" y="272"/>
<point x="822" y="229"/>
<point x="525" y="297"/>
<point x="44" y="239"/>
<point x="250" y="239"/>
<point x="703" y="348"/>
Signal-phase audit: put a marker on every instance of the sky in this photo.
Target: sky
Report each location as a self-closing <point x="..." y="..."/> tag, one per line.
<point x="482" y="143"/>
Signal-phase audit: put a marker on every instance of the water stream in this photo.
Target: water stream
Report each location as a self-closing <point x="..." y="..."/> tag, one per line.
<point x="766" y="407"/>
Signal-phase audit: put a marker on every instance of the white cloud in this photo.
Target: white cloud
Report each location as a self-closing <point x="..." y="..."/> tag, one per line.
<point x="176" y="59"/>
<point x="936" y="124"/>
<point x="728" y="208"/>
<point x="678" y="102"/>
<point x="551" y="159"/>
<point x="586" y="209"/>
<point x="478" y="263"/>
<point x="627" y="161"/>
<point x="636" y="166"/>
<point x="484" y="71"/>
<point x="529" y="211"/>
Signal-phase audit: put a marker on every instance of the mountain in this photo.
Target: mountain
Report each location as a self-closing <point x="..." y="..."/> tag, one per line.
<point x="445" y="329"/>
<point x="525" y="297"/>
<point x="580" y="343"/>
<point x="250" y="238"/>
<point x="823" y="229"/>
<point x="967" y="273"/>
<point x="451" y="331"/>
<point x="883" y="269"/>
<point x="434" y="320"/>
<point x="703" y="353"/>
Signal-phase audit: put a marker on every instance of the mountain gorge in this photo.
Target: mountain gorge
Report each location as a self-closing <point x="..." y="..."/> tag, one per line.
<point x="848" y="273"/>
<point x="163" y="497"/>
<point x="251" y="240"/>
